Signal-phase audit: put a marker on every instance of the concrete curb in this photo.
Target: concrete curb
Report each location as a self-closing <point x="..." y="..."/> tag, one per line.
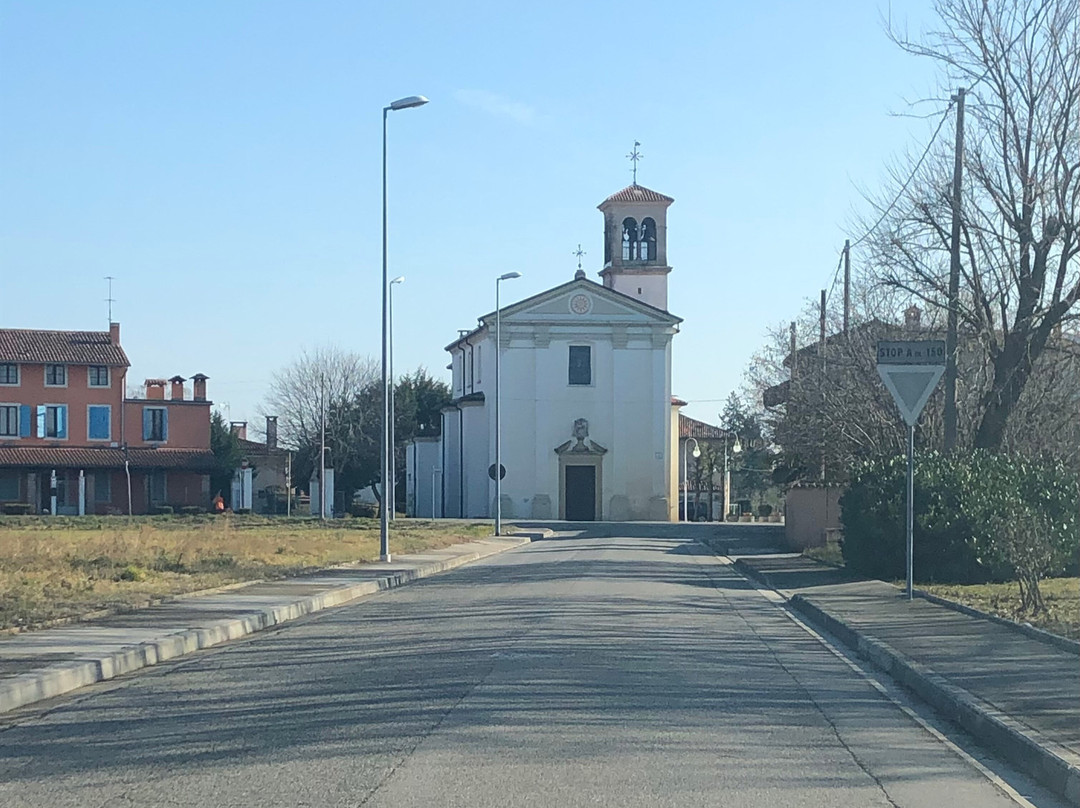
<point x="1048" y="762"/>
<point x="24" y="689"/>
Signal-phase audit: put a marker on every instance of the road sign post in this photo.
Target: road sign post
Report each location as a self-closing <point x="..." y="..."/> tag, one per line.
<point x="911" y="371"/>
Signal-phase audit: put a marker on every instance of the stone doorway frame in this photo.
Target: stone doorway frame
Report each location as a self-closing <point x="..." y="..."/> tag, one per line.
<point x="595" y="461"/>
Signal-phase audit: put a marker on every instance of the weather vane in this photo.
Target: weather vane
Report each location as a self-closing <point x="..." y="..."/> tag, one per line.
<point x="578" y="252"/>
<point x="634" y="156"/>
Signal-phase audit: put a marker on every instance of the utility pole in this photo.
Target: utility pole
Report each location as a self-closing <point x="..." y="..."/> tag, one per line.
<point x="822" y="345"/>
<point x="322" y="453"/>
<point x="954" y="280"/>
<point x="847" y="285"/>
<point x="794" y="350"/>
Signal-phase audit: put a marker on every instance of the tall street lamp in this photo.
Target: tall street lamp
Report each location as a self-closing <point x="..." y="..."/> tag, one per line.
<point x="686" y="478"/>
<point x="384" y="521"/>
<point x="498" y="388"/>
<point x="392" y="495"/>
<point x="735" y="449"/>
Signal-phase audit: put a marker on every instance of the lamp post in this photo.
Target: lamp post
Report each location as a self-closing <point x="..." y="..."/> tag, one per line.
<point x="735" y="449"/>
<point x="498" y="388"/>
<point x="384" y="521"/>
<point x="392" y="493"/>
<point x="686" y="477"/>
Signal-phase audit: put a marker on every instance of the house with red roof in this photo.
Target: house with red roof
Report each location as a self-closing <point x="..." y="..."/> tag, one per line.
<point x="71" y="442"/>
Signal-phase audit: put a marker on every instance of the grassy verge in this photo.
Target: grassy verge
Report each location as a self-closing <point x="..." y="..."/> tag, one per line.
<point x="1062" y="597"/>
<point x="57" y="568"/>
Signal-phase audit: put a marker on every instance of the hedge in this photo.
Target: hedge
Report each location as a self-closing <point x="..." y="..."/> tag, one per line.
<point x="964" y="505"/>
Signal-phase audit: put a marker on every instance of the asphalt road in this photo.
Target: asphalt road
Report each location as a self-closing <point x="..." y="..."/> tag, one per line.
<point x="572" y="672"/>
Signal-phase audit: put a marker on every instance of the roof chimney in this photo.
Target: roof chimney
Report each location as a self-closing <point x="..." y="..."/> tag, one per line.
<point x="198" y="387"/>
<point x="177" y="393"/>
<point x="913" y="318"/>
<point x="271" y="432"/>
<point x="239" y="428"/>
<point x="155" y="389"/>
<point x="114" y="333"/>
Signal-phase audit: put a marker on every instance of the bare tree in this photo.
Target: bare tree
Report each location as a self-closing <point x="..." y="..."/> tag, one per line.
<point x="317" y="381"/>
<point x="1020" y="220"/>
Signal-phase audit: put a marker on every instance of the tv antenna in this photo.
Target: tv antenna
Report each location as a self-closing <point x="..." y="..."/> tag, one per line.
<point x="110" y="299"/>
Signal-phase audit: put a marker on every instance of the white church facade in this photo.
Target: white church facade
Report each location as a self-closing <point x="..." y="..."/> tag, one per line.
<point x="589" y="425"/>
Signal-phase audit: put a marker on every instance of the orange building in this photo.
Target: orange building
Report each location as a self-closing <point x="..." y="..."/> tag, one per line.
<point x="72" y="443"/>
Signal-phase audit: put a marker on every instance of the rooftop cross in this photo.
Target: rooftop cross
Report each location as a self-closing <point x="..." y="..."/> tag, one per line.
<point x="634" y="156"/>
<point x="578" y="252"/>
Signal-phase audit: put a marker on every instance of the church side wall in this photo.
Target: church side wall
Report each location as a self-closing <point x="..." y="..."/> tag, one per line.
<point x="477" y="458"/>
<point x="451" y="443"/>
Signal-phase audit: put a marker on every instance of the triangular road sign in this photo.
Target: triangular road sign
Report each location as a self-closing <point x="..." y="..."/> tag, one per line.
<point x="911" y="386"/>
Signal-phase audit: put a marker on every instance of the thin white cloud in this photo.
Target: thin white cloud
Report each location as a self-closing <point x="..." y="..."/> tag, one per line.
<point x="497" y="105"/>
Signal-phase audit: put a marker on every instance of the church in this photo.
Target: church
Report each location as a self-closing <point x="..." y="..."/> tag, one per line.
<point x="589" y="425"/>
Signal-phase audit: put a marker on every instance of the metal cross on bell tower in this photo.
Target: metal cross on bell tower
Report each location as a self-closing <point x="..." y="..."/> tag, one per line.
<point x="634" y="156"/>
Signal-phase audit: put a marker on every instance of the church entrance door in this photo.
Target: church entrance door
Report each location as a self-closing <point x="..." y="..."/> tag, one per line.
<point x="580" y="493"/>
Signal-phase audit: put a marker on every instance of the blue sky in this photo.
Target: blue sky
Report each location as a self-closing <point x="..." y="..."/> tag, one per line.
<point x="222" y="160"/>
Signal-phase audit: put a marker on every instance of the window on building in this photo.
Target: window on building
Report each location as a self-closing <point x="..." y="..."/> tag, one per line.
<point x="469" y="361"/>
<point x="155" y="424"/>
<point x="55" y="375"/>
<point x="580" y="364"/>
<point x="478" y="363"/>
<point x="629" y="239"/>
<point x="155" y="487"/>
<point x="9" y="421"/>
<point x="647" y="244"/>
<point x="52" y="421"/>
<point x="9" y="373"/>
<point x="9" y="486"/>
<point x="99" y="422"/>
<point x="98" y="375"/>
<point x="102" y="486"/>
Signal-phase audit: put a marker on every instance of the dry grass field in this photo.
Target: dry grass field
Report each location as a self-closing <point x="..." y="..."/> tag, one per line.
<point x="57" y="568"/>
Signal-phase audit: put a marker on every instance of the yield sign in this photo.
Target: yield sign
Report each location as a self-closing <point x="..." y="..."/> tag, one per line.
<point x="911" y="382"/>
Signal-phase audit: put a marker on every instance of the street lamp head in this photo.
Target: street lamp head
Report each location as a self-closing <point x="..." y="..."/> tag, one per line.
<point x="398" y="279"/>
<point x="697" y="451"/>
<point x="509" y="276"/>
<point x="408" y="103"/>
<point x="737" y="447"/>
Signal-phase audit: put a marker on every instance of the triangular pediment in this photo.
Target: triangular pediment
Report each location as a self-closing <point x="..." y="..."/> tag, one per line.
<point x="582" y="300"/>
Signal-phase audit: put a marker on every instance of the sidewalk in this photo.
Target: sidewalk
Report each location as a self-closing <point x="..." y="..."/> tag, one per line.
<point x="1017" y="693"/>
<point x="42" y="664"/>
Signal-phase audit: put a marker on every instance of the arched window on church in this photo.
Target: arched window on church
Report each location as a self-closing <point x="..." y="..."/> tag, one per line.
<point x="629" y="239"/>
<point x="647" y="245"/>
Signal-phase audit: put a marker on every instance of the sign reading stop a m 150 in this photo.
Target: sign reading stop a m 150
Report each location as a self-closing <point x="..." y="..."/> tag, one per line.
<point x="923" y="352"/>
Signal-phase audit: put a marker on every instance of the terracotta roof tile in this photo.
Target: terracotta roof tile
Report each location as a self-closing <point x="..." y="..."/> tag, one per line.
<point x="62" y="347"/>
<point x="105" y="458"/>
<point x="637" y="193"/>
<point x="692" y="428"/>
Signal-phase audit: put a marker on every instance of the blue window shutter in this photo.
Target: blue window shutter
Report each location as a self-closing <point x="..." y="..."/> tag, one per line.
<point x="61" y="421"/>
<point x="24" y="421"/>
<point x="99" y="423"/>
<point x="41" y="410"/>
<point x="147" y="424"/>
<point x="165" y="425"/>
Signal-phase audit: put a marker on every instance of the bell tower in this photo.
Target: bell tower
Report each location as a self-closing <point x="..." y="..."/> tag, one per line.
<point x="635" y="244"/>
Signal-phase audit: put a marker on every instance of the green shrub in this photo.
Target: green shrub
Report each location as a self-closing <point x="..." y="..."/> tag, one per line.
<point x="362" y="510"/>
<point x="764" y="510"/>
<point x="161" y="510"/>
<point x="192" y="510"/>
<point x="17" y="509"/>
<point x="131" y="572"/>
<point x="978" y="518"/>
